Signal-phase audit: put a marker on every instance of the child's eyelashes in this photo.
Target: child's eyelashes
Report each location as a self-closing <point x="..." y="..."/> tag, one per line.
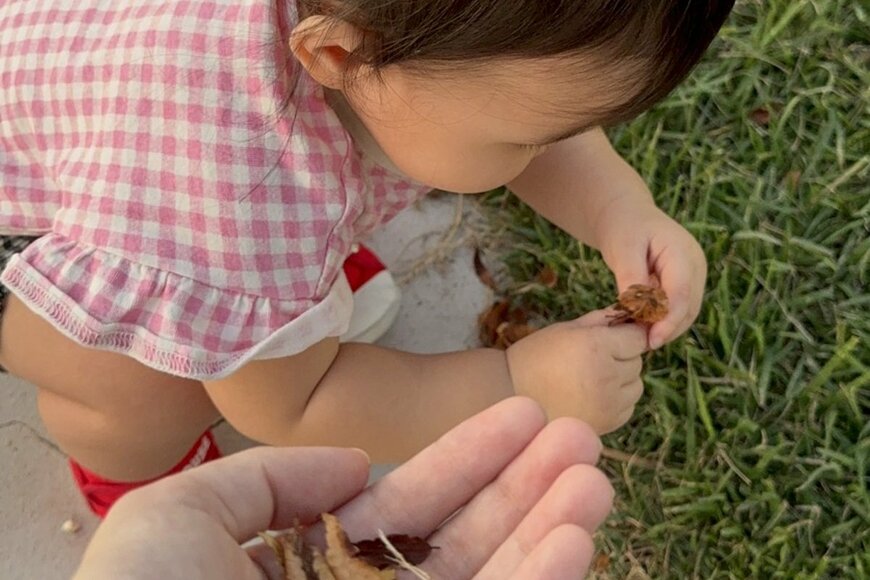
<point x="533" y="147"/>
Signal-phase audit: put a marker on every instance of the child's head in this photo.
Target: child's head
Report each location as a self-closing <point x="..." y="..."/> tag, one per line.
<point x="463" y="94"/>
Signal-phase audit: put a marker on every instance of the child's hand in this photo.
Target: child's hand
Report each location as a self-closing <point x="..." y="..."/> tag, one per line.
<point x="583" y="368"/>
<point x="640" y="240"/>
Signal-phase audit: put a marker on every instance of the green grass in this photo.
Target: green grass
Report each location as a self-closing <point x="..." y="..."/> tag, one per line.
<point x="758" y="417"/>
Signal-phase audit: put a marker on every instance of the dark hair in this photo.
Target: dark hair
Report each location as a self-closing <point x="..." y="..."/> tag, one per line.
<point x="662" y="40"/>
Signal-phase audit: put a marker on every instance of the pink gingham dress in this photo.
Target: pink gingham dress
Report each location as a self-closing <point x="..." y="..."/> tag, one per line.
<point x="185" y="220"/>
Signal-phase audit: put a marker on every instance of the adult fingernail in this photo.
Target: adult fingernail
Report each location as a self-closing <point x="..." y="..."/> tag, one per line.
<point x="363" y="453"/>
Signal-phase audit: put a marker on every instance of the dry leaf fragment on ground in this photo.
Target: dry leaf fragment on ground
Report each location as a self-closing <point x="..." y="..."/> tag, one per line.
<point x="760" y="116"/>
<point x="548" y="277"/>
<point x="640" y="303"/>
<point x="601" y="563"/>
<point x="503" y="325"/>
<point x="343" y="560"/>
<point x="483" y="273"/>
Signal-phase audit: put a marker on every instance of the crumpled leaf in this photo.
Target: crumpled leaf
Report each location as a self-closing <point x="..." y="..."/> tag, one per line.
<point x="503" y="325"/>
<point x="760" y="116"/>
<point x="345" y="560"/>
<point x="483" y="273"/>
<point x="297" y="557"/>
<point x="375" y="552"/>
<point x="547" y="277"/>
<point x="640" y="303"/>
<point x="320" y="566"/>
<point x="340" y="556"/>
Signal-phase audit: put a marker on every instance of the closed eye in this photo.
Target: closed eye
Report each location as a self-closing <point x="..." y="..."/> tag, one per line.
<point x="535" y="148"/>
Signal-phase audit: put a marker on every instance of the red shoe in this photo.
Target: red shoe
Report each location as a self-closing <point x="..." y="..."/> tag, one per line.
<point x="376" y="297"/>
<point x="101" y="494"/>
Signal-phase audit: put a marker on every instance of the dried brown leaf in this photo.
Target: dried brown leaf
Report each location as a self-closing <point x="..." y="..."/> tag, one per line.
<point x="294" y="550"/>
<point x="482" y="271"/>
<point x="375" y="552"/>
<point x="510" y="333"/>
<point x="340" y="556"/>
<point x="601" y="563"/>
<point x="275" y="545"/>
<point x="760" y="116"/>
<point x="640" y="303"/>
<point x="503" y="325"/>
<point x="319" y="565"/>
<point x="547" y="277"/>
<point x="490" y="321"/>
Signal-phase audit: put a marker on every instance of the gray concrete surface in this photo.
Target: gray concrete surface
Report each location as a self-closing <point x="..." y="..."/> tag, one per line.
<point x="441" y="301"/>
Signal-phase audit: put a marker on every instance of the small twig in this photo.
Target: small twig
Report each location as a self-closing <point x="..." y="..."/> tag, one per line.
<point x="616" y="455"/>
<point x="400" y="560"/>
<point x="447" y="243"/>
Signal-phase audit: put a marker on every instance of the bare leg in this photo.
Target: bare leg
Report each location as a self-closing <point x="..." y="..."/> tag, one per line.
<point x="115" y="416"/>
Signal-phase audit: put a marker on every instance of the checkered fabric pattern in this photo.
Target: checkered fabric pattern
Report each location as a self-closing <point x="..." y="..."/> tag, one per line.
<point x="188" y="221"/>
<point x="9" y="246"/>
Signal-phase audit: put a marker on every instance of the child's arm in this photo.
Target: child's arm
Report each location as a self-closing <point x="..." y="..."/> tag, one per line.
<point x="393" y="404"/>
<point x="583" y="186"/>
<point x="576" y="183"/>
<point x="389" y="403"/>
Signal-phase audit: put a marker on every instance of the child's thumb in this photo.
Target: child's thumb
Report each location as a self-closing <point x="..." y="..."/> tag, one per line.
<point x="630" y="270"/>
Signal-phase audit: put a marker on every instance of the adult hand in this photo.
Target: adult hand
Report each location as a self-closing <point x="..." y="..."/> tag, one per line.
<point x="529" y="498"/>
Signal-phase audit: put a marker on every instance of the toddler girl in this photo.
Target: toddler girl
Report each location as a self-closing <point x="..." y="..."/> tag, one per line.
<point x="182" y="183"/>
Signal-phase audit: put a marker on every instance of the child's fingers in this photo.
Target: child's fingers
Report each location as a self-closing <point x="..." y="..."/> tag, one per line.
<point x="630" y="394"/>
<point x="679" y="318"/>
<point x="595" y="318"/>
<point x="625" y="341"/>
<point x="629" y="370"/>
<point x="683" y="282"/>
<point x="631" y="266"/>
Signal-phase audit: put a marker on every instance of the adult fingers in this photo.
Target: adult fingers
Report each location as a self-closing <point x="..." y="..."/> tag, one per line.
<point x="489" y="519"/>
<point x="582" y="496"/>
<point x="265" y="487"/>
<point x="565" y="552"/>
<point x="420" y="494"/>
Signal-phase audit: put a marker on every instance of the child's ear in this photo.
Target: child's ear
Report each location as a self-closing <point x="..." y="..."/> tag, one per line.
<point x="322" y="45"/>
